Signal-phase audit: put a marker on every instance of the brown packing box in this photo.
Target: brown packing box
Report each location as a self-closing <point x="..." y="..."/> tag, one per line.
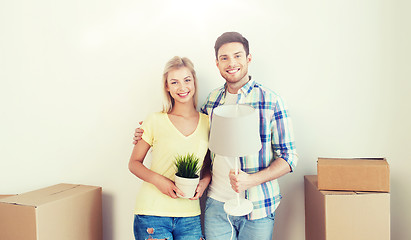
<point x="4" y="196"/>
<point x="354" y="174"/>
<point x="62" y="211"/>
<point x="342" y="215"/>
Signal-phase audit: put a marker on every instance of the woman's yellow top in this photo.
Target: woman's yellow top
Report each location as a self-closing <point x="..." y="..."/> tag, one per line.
<point x="166" y="143"/>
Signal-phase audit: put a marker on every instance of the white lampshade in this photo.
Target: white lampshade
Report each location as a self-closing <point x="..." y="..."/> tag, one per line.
<point x="235" y="131"/>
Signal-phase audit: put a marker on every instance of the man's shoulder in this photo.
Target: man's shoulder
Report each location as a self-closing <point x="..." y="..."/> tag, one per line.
<point x="212" y="100"/>
<point x="216" y="92"/>
<point x="267" y="93"/>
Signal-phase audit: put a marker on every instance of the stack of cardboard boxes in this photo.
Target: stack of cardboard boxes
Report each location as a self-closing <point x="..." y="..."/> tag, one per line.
<point x="348" y="199"/>
<point x="58" y="212"/>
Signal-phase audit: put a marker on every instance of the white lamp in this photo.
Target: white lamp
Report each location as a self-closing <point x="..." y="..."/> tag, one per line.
<point x="235" y="132"/>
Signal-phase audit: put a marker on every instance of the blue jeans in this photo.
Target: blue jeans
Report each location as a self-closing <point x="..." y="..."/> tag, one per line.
<point x="177" y="228"/>
<point x="217" y="226"/>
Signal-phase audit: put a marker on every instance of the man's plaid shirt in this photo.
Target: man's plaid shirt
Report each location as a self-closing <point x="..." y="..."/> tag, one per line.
<point x="277" y="141"/>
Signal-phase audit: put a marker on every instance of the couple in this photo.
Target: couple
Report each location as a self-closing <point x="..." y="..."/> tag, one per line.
<point x="179" y="128"/>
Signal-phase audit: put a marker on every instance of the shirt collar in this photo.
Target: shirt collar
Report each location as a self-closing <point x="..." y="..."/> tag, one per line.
<point x="246" y="89"/>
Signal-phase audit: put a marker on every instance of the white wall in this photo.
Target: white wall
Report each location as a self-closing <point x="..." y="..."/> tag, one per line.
<point x="77" y="76"/>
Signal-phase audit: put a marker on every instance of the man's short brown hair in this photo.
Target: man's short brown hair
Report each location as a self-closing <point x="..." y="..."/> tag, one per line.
<point x="229" y="37"/>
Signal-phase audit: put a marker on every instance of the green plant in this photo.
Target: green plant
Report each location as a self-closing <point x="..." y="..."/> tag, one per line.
<point x="187" y="166"/>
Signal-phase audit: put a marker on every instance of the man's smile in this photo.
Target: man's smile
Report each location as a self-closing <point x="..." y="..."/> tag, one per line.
<point x="232" y="71"/>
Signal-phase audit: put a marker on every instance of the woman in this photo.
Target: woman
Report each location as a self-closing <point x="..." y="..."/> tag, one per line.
<point x="177" y="130"/>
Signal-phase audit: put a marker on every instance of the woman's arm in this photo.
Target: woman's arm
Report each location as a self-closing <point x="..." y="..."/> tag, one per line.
<point x="136" y="166"/>
<point x="205" y="177"/>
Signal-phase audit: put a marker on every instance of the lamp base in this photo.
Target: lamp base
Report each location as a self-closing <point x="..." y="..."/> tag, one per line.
<point x="232" y="207"/>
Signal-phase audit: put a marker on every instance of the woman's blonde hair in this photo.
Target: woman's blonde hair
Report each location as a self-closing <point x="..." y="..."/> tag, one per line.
<point x="173" y="64"/>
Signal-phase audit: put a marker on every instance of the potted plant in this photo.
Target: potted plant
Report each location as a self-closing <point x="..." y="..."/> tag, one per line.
<point x="187" y="174"/>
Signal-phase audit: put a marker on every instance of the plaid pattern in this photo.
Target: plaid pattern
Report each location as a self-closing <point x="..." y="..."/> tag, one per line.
<point x="277" y="141"/>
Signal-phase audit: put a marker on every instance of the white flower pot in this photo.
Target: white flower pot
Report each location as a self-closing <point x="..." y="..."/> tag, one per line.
<point x="187" y="185"/>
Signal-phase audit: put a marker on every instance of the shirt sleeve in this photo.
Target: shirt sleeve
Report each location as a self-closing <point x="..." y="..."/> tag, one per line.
<point x="203" y="109"/>
<point x="206" y="106"/>
<point x="283" y="142"/>
<point x="148" y="127"/>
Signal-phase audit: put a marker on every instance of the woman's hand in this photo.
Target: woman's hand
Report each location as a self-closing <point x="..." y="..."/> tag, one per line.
<point x="201" y="187"/>
<point x="166" y="186"/>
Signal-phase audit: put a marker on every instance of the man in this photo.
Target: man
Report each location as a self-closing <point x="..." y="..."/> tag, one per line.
<point x="259" y="172"/>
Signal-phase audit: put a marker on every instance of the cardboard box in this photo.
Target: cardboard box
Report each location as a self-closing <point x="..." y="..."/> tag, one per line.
<point x="355" y="174"/>
<point x="342" y="215"/>
<point x="62" y="211"/>
<point x="4" y="196"/>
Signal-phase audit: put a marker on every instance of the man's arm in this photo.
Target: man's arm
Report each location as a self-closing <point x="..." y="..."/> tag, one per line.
<point x="283" y="146"/>
<point x="244" y="181"/>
